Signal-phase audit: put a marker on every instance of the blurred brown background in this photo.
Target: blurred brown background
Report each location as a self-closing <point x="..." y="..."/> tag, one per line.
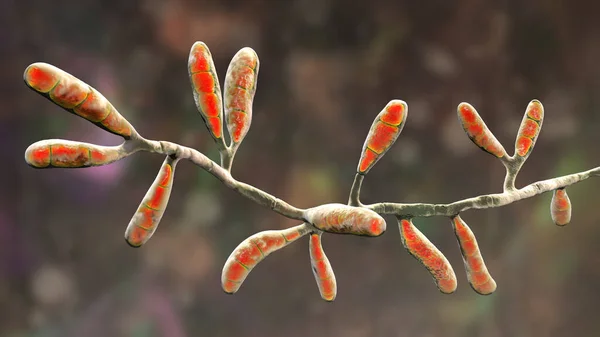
<point x="327" y="68"/>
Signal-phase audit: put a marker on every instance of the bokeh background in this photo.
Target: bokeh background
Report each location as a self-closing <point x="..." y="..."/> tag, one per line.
<point x="327" y="68"/>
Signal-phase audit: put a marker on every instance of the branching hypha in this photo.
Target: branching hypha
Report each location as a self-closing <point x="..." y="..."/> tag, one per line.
<point x="354" y="218"/>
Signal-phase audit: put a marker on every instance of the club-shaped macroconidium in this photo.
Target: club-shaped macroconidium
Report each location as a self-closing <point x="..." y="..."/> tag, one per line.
<point x="560" y="207"/>
<point x="383" y="133"/>
<point x="153" y="206"/>
<point x="69" y="154"/>
<point x="344" y="219"/>
<point x="529" y="129"/>
<point x="207" y="91"/>
<point x="478" y="132"/>
<point x="477" y="273"/>
<point x="253" y="250"/>
<point x="322" y="268"/>
<point x="77" y="97"/>
<point x="425" y="252"/>
<point x="240" y="87"/>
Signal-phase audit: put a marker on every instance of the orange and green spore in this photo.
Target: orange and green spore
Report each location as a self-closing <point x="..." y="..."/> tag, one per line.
<point x="253" y="250"/>
<point x="240" y="87"/>
<point x="77" y="97"/>
<point x="477" y="273"/>
<point x="153" y="206"/>
<point x="206" y="88"/>
<point x="560" y="207"/>
<point x="322" y="269"/>
<point x="383" y="133"/>
<point x="69" y="154"/>
<point x="425" y="252"/>
<point x="478" y="132"/>
<point x="530" y="128"/>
